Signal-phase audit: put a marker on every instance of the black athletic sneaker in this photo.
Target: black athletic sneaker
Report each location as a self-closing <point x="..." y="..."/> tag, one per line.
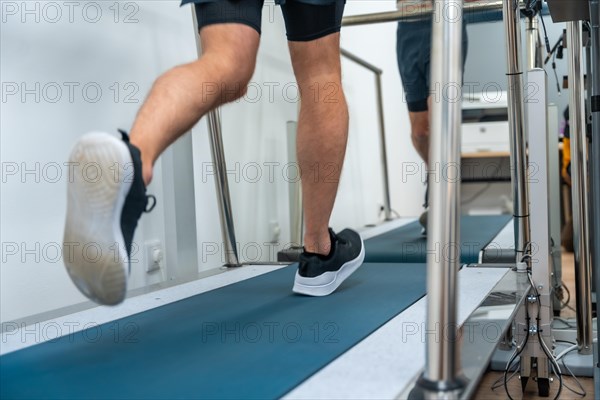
<point x="321" y="275"/>
<point x="106" y="197"/>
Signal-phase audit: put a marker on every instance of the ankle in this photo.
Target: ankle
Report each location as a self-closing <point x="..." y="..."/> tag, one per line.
<point x="318" y="243"/>
<point x="147" y="171"/>
<point x="147" y="164"/>
<point x="146" y="156"/>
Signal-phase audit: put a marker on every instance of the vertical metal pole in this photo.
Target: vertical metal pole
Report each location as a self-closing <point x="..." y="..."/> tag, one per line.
<point x="442" y="377"/>
<point x="532" y="33"/>
<point x="580" y="189"/>
<point x="518" y="156"/>
<point x="387" y="208"/>
<point x="555" y="203"/>
<point x="221" y="182"/>
<point x="595" y="173"/>
<point x="444" y="224"/>
<point x="539" y="191"/>
<point x="222" y="185"/>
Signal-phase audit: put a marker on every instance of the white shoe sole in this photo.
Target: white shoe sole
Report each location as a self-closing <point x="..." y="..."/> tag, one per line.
<point x="328" y="282"/>
<point x="93" y="247"/>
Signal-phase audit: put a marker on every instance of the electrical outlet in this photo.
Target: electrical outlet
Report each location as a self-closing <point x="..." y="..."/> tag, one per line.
<point x="154" y="255"/>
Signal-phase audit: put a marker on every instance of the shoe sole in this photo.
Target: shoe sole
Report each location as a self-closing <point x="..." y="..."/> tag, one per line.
<point x="338" y="277"/>
<point x="93" y="246"/>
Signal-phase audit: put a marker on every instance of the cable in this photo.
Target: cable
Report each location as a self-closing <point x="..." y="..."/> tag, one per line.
<point x="527" y="249"/>
<point x="532" y="9"/>
<point x="554" y="70"/>
<point x="549" y="55"/>
<point x="555" y="367"/>
<point x="545" y="33"/>
<point x="551" y="358"/>
<point x="566" y="302"/>
<point x="517" y="352"/>
<point x="570" y="308"/>
<point x="583" y="393"/>
<point x="564" y="341"/>
<point x="476" y="195"/>
<point x="552" y="54"/>
<point x="564" y="321"/>
<point x="498" y="383"/>
<point x="553" y="362"/>
<point x="555" y="73"/>
<point x="565" y="352"/>
<point x="485" y="188"/>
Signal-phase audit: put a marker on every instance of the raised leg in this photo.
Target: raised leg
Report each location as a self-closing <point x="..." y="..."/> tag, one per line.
<point x="181" y="96"/>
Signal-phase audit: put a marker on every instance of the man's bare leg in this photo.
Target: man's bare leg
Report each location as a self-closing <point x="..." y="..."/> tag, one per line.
<point x="322" y="133"/>
<point x="420" y="133"/>
<point x="181" y="96"/>
<point x="105" y="211"/>
<point x="419" y="123"/>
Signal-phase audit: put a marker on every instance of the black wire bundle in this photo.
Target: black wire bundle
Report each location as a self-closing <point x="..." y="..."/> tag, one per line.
<point x="553" y="361"/>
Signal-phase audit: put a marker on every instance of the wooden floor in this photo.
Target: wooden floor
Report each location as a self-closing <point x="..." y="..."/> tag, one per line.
<point x="484" y="391"/>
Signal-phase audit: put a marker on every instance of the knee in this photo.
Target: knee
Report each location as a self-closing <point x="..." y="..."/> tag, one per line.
<point x="224" y="78"/>
<point x="420" y="133"/>
<point x="235" y="80"/>
<point x="233" y="72"/>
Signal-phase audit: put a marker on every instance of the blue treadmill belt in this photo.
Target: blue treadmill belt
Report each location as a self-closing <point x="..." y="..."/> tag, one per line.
<point x="407" y="245"/>
<point x="251" y="340"/>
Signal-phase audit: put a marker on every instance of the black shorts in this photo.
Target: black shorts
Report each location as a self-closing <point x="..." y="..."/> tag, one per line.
<point x="305" y="20"/>
<point x="414" y="56"/>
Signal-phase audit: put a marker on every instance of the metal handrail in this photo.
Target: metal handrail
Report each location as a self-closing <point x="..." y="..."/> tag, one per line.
<point x="415" y="10"/>
<point x="387" y="209"/>
<point x="442" y="378"/>
<point x="516" y="115"/>
<point x="221" y="181"/>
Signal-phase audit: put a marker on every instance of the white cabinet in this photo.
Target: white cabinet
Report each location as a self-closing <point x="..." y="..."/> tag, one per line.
<point x="485" y="124"/>
<point x="483" y="137"/>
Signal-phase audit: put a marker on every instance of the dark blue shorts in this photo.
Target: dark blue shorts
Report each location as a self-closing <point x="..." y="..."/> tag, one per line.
<point x="305" y="20"/>
<point x="414" y="55"/>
